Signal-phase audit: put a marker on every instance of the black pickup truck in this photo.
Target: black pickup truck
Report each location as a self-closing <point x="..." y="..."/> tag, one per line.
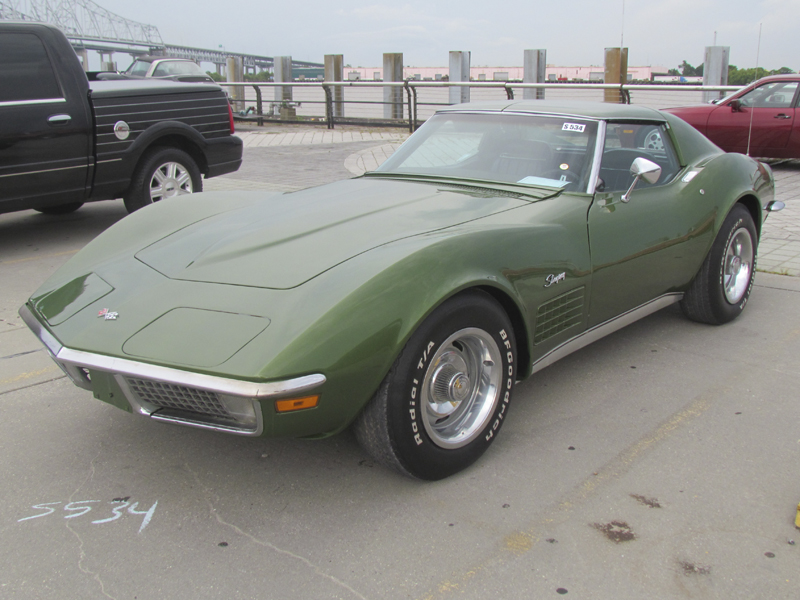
<point x="65" y="140"/>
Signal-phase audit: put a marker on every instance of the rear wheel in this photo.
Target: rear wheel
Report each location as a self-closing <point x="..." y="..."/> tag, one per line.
<point x="442" y="403"/>
<point x="721" y="289"/>
<point x="163" y="173"/>
<point x="650" y="139"/>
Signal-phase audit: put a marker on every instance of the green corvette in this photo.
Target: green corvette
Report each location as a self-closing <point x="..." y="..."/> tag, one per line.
<point x="408" y="302"/>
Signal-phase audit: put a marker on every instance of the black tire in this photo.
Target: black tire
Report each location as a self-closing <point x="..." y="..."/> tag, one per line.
<point x="399" y="428"/>
<point x="720" y="290"/>
<point x="61" y="209"/>
<point x="162" y="173"/>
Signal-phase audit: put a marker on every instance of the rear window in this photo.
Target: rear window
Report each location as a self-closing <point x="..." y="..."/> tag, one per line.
<point x="25" y="69"/>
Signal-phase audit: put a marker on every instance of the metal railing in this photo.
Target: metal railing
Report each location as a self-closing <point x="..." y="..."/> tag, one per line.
<point x="316" y="102"/>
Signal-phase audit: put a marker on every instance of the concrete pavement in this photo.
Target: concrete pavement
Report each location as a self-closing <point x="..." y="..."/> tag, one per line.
<point x="779" y="247"/>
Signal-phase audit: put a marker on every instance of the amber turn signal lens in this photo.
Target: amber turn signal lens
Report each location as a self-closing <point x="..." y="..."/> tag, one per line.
<point x="296" y="404"/>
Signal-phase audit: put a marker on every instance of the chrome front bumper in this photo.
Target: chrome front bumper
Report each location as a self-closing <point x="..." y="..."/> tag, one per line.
<point x="174" y="395"/>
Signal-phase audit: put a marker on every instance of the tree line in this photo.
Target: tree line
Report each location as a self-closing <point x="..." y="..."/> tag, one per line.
<point x="736" y="76"/>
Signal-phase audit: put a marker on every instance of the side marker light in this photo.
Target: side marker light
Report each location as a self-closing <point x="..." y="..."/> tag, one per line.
<point x="292" y="404"/>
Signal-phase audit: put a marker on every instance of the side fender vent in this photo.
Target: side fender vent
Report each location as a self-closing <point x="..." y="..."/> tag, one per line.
<point x="560" y="313"/>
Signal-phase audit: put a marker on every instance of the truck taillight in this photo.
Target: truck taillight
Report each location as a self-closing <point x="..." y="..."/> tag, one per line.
<point x="230" y="118"/>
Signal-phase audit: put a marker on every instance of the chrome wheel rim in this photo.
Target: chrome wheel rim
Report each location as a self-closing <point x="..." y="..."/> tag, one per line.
<point x="738" y="265"/>
<point x="461" y="388"/>
<point x="170" y="179"/>
<point x="653" y="140"/>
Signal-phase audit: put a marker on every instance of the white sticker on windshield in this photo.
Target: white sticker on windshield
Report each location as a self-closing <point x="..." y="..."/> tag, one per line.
<point x="531" y="180"/>
<point x="576" y="127"/>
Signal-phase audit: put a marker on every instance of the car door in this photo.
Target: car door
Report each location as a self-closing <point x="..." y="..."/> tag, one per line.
<point x="44" y="130"/>
<point x="793" y="147"/>
<point x="760" y="120"/>
<point x="646" y="247"/>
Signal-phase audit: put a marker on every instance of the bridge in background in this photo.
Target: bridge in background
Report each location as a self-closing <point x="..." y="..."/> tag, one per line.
<point x="89" y="26"/>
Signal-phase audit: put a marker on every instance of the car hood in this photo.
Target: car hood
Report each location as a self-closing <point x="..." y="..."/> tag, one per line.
<point x="284" y="241"/>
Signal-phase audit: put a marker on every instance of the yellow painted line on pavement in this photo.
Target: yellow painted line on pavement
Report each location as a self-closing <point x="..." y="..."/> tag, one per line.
<point x="20" y="260"/>
<point x="518" y="543"/>
<point x="28" y="375"/>
<point x="625" y="460"/>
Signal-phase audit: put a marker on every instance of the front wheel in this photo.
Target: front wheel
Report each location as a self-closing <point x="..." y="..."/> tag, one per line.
<point x="720" y="290"/>
<point x="163" y="173"/>
<point x="443" y="401"/>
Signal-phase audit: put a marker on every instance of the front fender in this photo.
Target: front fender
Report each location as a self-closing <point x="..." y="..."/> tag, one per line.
<point x="374" y="302"/>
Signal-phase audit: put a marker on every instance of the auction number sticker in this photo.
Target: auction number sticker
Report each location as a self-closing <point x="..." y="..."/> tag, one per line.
<point x="576" y="127"/>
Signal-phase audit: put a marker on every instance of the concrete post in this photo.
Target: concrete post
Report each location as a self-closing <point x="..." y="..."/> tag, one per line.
<point x="84" y="56"/>
<point x="334" y="71"/>
<point x="283" y="72"/>
<point x="459" y="71"/>
<point x="393" y="96"/>
<point x="715" y="70"/>
<point x="235" y="74"/>
<point x="535" y="62"/>
<point x="616" y="71"/>
<point x="108" y="65"/>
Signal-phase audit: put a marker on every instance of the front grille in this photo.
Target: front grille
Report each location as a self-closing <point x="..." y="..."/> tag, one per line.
<point x="558" y="314"/>
<point x="178" y="397"/>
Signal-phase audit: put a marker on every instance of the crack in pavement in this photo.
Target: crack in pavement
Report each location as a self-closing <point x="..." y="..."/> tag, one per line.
<point x="266" y="544"/>
<point x="95" y="576"/>
<point x="30" y="385"/>
<point x="21" y="354"/>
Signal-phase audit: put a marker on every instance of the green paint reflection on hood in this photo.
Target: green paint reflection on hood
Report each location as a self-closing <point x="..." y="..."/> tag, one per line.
<point x="284" y="241"/>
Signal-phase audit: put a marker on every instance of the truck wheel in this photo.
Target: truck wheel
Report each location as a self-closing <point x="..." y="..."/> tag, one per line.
<point x="163" y="173"/>
<point x="443" y="401"/>
<point x="61" y="209"/>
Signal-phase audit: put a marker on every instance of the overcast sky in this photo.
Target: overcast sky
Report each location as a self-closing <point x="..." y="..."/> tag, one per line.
<point x="574" y="32"/>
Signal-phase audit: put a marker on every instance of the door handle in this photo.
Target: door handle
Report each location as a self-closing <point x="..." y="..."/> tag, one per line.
<point x="59" y="119"/>
<point x="782" y="116"/>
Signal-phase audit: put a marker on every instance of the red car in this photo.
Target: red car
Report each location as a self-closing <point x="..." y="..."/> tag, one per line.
<point x="759" y="120"/>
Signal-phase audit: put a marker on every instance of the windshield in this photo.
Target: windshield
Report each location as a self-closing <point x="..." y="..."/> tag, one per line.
<point x="138" y="67"/>
<point x="509" y="148"/>
<point x="177" y="67"/>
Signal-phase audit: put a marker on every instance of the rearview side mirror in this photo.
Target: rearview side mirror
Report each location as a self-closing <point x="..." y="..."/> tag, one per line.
<point x="736" y="105"/>
<point x="642" y="169"/>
